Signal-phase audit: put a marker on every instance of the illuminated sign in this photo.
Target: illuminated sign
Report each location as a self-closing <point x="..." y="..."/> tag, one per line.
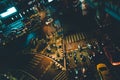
<point x="8" y="12"/>
<point x="50" y="0"/>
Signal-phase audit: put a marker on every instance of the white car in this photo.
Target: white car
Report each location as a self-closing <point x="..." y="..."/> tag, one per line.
<point x="50" y="20"/>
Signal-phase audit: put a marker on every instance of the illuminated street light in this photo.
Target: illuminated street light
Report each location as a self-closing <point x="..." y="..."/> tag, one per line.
<point x="16" y="16"/>
<point x="30" y="8"/>
<point x="20" y="15"/>
<point x="27" y="10"/>
<point x="23" y="12"/>
<point x="12" y="18"/>
<point x="33" y="7"/>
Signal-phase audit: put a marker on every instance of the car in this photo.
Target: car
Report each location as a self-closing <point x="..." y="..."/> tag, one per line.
<point x="49" y="20"/>
<point x="70" y="54"/>
<point x="74" y="73"/>
<point x="84" y="71"/>
<point x="67" y="62"/>
<point x="83" y="59"/>
<point x="103" y="72"/>
<point x="113" y="55"/>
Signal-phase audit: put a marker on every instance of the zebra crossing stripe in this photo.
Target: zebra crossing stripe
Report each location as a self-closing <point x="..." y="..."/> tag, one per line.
<point x="33" y="63"/>
<point x="29" y="67"/>
<point x="77" y="37"/>
<point x="92" y="41"/>
<point x="56" y="78"/>
<point x="69" y="39"/>
<point x="85" y="35"/>
<point x="61" y="76"/>
<point x="36" y="61"/>
<point x="74" y="36"/>
<point x="80" y="36"/>
<point x="66" y="39"/>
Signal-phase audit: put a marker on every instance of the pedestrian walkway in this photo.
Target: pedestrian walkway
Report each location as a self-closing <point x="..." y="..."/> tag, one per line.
<point x="38" y="65"/>
<point x="22" y="75"/>
<point x="76" y="37"/>
<point x="92" y="41"/>
<point x="61" y="76"/>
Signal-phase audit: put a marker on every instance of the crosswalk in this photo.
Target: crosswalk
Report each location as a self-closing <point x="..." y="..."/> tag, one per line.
<point x="61" y="76"/>
<point x="75" y="37"/>
<point x="92" y="41"/>
<point x="22" y="75"/>
<point x="37" y="65"/>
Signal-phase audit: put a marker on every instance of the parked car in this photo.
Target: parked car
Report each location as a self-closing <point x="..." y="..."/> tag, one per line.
<point x="113" y="55"/>
<point x="104" y="72"/>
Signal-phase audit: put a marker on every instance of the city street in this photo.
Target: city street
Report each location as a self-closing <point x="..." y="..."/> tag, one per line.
<point x="57" y="45"/>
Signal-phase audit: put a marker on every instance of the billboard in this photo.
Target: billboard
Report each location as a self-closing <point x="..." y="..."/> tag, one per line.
<point x="8" y="12"/>
<point x="50" y="0"/>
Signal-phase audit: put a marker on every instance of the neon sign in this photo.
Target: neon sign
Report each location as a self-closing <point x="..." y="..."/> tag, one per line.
<point x="8" y="12"/>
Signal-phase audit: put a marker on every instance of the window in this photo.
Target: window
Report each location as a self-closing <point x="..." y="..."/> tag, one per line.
<point x="103" y="69"/>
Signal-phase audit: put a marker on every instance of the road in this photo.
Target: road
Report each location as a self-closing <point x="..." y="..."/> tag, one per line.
<point x="67" y="54"/>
